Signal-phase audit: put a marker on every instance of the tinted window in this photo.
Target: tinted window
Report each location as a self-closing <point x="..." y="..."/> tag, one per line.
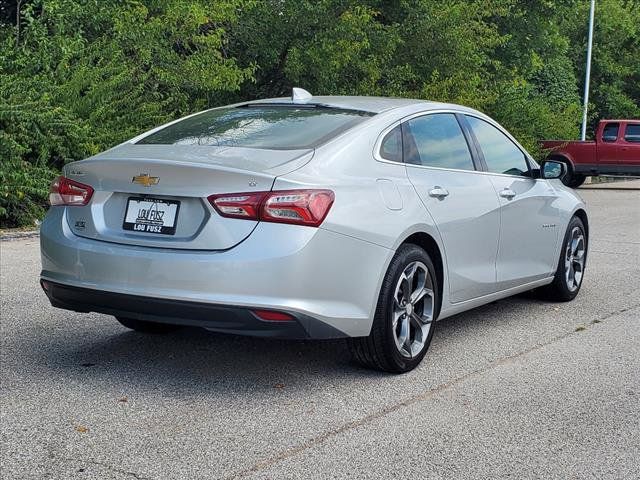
<point x="632" y="133"/>
<point x="610" y="132"/>
<point x="279" y="127"/>
<point x="500" y="153"/>
<point x="436" y="141"/>
<point x="391" y="147"/>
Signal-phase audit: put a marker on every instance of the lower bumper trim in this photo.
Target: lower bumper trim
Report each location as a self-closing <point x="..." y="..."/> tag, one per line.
<point x="221" y="318"/>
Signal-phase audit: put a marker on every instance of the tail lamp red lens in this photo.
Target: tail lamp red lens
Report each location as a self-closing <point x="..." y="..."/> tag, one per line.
<point x="238" y="205"/>
<point x="299" y="207"/>
<point x="65" y="191"/>
<point x="272" y="316"/>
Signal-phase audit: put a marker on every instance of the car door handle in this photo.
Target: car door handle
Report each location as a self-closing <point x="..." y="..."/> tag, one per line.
<point x="438" y="192"/>
<point x="507" y="193"/>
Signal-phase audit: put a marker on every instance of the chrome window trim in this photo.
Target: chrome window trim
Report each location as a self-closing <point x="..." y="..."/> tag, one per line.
<point x="378" y="144"/>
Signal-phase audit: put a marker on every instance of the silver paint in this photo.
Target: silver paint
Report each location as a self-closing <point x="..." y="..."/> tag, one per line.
<point x="492" y="245"/>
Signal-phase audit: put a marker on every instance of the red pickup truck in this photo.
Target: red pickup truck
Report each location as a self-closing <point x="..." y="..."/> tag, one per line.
<point x="615" y="151"/>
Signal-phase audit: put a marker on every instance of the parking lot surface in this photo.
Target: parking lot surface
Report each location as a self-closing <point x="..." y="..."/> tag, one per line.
<point x="519" y="388"/>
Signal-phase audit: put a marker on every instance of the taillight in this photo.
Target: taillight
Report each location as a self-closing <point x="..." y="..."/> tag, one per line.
<point x="65" y="191"/>
<point x="238" y="205"/>
<point x="298" y="207"/>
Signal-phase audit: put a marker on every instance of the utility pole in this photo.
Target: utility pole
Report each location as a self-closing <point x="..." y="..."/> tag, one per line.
<point x="583" y="134"/>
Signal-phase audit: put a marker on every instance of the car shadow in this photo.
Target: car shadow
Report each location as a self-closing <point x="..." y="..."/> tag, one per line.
<point x="197" y="361"/>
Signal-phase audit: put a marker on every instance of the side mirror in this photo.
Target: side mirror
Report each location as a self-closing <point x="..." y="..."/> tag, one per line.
<point x="552" y="169"/>
<point x="609" y="138"/>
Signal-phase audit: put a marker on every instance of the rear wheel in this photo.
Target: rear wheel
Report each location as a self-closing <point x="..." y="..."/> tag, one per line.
<point x="404" y="321"/>
<point x="570" y="272"/>
<point x="144" y="326"/>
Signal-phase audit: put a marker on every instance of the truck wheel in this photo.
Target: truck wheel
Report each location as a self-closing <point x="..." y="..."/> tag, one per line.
<point x="574" y="180"/>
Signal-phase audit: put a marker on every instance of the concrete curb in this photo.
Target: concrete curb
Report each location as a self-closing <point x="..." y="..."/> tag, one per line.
<point x="616" y="185"/>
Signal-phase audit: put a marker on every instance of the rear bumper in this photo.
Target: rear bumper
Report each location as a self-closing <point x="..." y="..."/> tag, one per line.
<point x="219" y="318"/>
<point x="329" y="281"/>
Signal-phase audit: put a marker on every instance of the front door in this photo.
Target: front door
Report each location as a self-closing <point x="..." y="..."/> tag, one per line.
<point x="529" y="218"/>
<point x="608" y="147"/>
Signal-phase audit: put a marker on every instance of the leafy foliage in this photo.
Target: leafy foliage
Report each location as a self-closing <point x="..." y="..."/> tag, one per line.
<point x="79" y="76"/>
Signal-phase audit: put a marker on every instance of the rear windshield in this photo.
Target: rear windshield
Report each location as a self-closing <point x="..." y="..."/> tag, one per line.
<point x="270" y="127"/>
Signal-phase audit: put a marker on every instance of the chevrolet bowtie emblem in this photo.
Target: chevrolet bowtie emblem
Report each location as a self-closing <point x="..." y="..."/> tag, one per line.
<point x="145" y="179"/>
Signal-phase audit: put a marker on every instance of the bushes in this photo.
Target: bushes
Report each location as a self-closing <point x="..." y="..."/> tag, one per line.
<point x="24" y="190"/>
<point x="36" y="138"/>
<point x="83" y="75"/>
<point x="79" y="76"/>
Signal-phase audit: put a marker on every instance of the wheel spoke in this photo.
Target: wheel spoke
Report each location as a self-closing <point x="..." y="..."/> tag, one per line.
<point x="570" y="275"/>
<point x="579" y="245"/>
<point x="577" y="278"/>
<point x="419" y="321"/>
<point x="577" y="273"/>
<point x="419" y="294"/>
<point x="407" y="282"/>
<point x="397" y="313"/>
<point x="405" y="337"/>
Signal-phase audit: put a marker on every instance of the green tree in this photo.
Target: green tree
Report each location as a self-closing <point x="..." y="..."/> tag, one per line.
<point x="79" y="76"/>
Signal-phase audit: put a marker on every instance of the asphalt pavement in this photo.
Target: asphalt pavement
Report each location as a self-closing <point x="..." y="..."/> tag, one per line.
<point x="516" y="389"/>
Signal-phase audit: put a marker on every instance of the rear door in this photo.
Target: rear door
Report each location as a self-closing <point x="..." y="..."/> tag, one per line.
<point x="629" y="145"/>
<point x="529" y="217"/>
<point x="462" y="201"/>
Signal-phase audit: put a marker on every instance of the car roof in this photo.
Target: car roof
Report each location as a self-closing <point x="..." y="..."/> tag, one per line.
<point x="366" y="104"/>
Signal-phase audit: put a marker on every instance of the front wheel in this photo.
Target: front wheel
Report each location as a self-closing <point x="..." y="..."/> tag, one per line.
<point x="405" y="314"/>
<point x="571" y="264"/>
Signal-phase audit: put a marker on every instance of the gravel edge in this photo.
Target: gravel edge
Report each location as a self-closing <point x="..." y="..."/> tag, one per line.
<point x="8" y="235"/>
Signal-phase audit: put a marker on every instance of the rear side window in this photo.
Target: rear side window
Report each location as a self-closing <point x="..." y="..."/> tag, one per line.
<point x="391" y="146"/>
<point x="270" y="127"/>
<point x="632" y="133"/>
<point x="610" y="132"/>
<point x="500" y="153"/>
<point x="436" y="141"/>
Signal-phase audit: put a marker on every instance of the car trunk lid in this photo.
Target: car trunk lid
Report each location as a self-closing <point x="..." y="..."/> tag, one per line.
<point x="156" y="195"/>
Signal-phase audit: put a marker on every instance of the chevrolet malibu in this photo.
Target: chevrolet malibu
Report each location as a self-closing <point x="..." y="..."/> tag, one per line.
<point x="313" y="217"/>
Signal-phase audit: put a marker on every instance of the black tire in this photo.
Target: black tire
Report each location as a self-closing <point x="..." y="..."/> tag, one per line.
<point x="574" y="180"/>
<point x="144" y="326"/>
<point x="379" y="350"/>
<point x="560" y="290"/>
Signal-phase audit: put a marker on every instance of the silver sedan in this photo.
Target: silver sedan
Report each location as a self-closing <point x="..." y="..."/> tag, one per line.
<point x="313" y="217"/>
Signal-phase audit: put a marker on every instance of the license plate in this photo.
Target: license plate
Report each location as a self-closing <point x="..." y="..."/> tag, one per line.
<point x="150" y="215"/>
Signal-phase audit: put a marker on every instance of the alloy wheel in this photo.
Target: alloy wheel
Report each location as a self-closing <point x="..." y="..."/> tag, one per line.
<point x="413" y="306"/>
<point x="574" y="259"/>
